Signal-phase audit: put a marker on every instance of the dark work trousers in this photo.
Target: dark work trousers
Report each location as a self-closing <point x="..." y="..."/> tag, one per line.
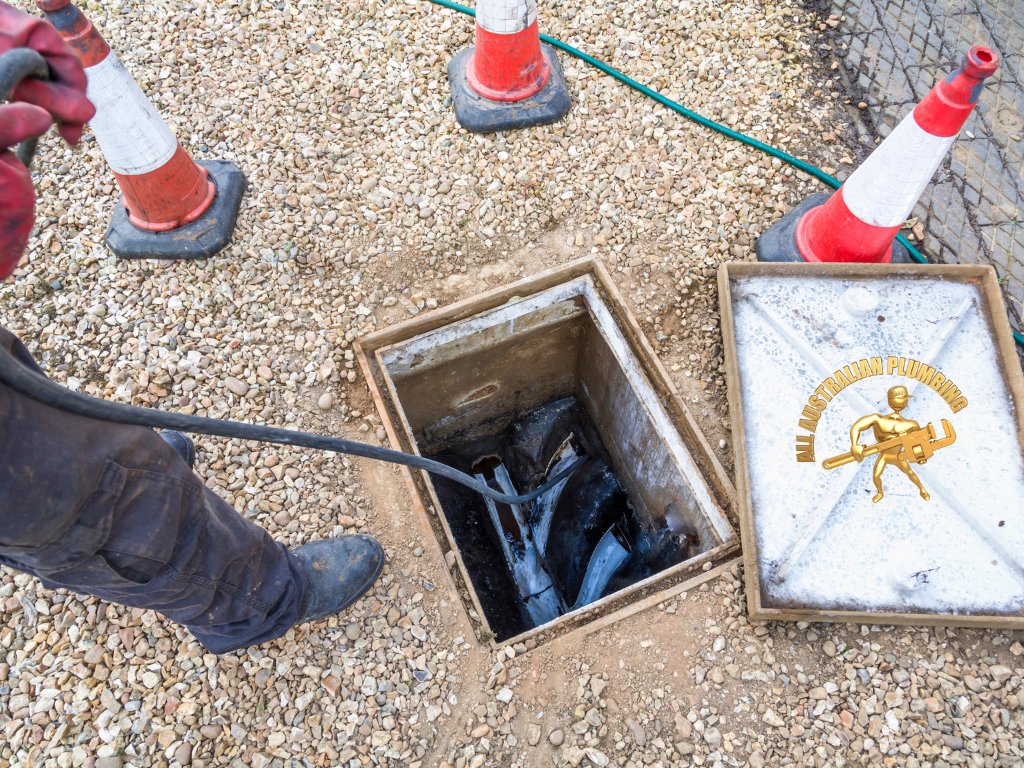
<point x="113" y="511"/>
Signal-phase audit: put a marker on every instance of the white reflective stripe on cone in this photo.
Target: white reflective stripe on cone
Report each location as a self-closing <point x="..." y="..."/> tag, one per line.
<point x="133" y="137"/>
<point x="885" y="188"/>
<point x="506" y="17"/>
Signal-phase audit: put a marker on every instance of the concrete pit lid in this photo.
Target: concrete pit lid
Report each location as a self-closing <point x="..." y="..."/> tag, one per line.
<point x="812" y="349"/>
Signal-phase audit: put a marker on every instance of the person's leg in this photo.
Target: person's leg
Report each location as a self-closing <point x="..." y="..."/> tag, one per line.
<point x="114" y="511"/>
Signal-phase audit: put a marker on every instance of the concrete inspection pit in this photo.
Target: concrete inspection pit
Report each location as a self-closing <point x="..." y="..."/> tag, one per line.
<point x="912" y="369"/>
<point x="513" y="386"/>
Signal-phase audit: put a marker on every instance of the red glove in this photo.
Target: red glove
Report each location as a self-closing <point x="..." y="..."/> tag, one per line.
<point x="17" y="200"/>
<point x="64" y="99"/>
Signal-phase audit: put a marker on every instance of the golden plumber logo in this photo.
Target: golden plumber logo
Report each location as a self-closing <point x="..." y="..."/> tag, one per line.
<point x="899" y="441"/>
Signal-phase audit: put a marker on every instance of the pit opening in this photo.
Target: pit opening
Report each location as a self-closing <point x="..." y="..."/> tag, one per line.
<point x="583" y="540"/>
<point x="516" y="394"/>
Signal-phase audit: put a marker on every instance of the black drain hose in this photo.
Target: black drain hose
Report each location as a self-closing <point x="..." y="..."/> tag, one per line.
<point x="35" y="386"/>
<point x="19" y="63"/>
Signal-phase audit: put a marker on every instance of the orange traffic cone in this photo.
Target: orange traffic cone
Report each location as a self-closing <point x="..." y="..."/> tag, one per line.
<point x="508" y="79"/>
<point x="860" y="220"/>
<point x="163" y="189"/>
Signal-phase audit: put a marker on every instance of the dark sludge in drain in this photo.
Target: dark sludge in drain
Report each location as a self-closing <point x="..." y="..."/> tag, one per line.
<point x="579" y="542"/>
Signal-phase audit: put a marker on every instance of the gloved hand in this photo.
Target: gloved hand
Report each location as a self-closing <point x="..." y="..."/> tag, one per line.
<point x="63" y="98"/>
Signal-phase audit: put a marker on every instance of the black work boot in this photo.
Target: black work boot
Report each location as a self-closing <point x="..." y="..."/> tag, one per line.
<point x="182" y="444"/>
<point x="338" y="572"/>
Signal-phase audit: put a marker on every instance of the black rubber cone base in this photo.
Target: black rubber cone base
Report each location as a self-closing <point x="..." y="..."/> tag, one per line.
<point x="480" y="115"/>
<point x="198" y="240"/>
<point x="778" y="243"/>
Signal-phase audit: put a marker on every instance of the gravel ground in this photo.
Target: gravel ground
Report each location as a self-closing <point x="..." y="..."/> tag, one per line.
<point x="368" y="205"/>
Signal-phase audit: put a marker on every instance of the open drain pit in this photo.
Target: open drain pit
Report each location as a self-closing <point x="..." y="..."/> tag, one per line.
<point x="513" y="387"/>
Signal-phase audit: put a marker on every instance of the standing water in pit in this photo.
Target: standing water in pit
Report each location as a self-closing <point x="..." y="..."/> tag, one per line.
<point x="581" y="540"/>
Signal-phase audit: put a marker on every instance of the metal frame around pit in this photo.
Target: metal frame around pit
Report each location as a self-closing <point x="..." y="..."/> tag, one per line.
<point x="425" y="503"/>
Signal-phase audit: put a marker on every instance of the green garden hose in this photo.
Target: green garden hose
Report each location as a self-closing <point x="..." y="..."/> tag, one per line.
<point x="800" y="165"/>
